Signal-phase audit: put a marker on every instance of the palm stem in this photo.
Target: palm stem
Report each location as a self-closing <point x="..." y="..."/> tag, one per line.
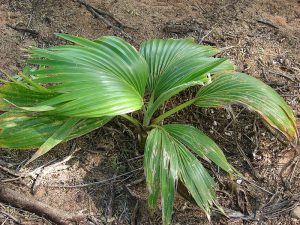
<point x="147" y="117"/>
<point x="132" y="120"/>
<point x="174" y="110"/>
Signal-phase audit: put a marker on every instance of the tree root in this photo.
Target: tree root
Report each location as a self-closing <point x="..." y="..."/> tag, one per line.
<point x="16" y="199"/>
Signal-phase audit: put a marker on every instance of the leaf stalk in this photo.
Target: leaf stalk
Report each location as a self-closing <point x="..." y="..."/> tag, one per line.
<point x="174" y="110"/>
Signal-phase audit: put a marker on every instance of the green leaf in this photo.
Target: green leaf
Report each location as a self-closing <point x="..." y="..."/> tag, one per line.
<point x="199" y="143"/>
<point x="106" y="77"/>
<point x="19" y="130"/>
<point x="24" y="131"/>
<point x="161" y="167"/>
<point x="168" y="158"/>
<point x="175" y="65"/>
<point x="87" y="125"/>
<point x="152" y="107"/>
<point x="12" y="94"/>
<point x="152" y="162"/>
<point x="239" y="88"/>
<point x="176" y="62"/>
<point x="57" y="137"/>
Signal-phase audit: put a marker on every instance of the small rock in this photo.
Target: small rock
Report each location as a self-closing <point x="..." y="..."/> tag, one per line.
<point x="239" y="181"/>
<point x="286" y="62"/>
<point x="228" y="133"/>
<point x="281" y="60"/>
<point x="296" y="212"/>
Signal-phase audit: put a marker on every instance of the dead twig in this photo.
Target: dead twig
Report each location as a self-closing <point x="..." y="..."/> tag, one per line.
<point x="27" y="27"/>
<point x="10" y="217"/>
<point x="134" y="213"/>
<point x="262" y="65"/>
<point x="110" y="218"/>
<point x="93" y="220"/>
<point x="245" y="157"/>
<point x="232" y="214"/>
<point x="107" y="18"/>
<point x="24" y="30"/>
<point x="291" y="164"/>
<point x="266" y="22"/>
<point x="40" y="172"/>
<point x="97" y="182"/>
<point x="255" y="130"/>
<point x="276" y="194"/>
<point x="9" y="171"/>
<point x="233" y="119"/>
<point x="178" y="28"/>
<point x="257" y="186"/>
<point x="284" y="75"/>
<point x="136" y="182"/>
<point x="280" y="207"/>
<point x="105" y="14"/>
<point x="132" y="193"/>
<point x="293" y="170"/>
<point x="222" y="50"/>
<point x="205" y="36"/>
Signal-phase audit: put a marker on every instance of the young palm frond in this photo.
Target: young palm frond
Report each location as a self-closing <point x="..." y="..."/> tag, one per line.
<point x="168" y="157"/>
<point x="79" y="88"/>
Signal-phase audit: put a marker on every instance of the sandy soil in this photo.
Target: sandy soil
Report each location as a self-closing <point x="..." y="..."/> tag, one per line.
<point x="262" y="37"/>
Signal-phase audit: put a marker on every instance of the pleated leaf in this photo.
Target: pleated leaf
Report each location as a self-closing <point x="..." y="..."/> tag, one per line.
<point x="175" y="62"/>
<point x="56" y="138"/>
<point x="169" y="158"/>
<point x="175" y="65"/>
<point x="153" y="106"/>
<point x="105" y="77"/>
<point x="239" y="88"/>
<point x="20" y="94"/>
<point x="152" y="162"/>
<point x="161" y="168"/>
<point x="23" y="131"/>
<point x="200" y="144"/>
<point x="19" y="130"/>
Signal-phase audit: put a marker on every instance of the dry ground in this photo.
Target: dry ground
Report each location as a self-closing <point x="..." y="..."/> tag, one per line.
<point x="262" y="37"/>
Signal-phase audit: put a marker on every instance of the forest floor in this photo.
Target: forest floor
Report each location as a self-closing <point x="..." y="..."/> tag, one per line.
<point x="104" y="177"/>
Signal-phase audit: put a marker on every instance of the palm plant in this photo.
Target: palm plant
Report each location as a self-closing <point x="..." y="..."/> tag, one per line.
<point x="75" y="89"/>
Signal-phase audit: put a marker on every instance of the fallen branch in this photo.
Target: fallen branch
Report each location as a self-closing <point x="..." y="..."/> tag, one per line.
<point x="30" y="204"/>
<point x="266" y="22"/>
<point x="284" y="75"/>
<point x="8" y="171"/>
<point x="24" y="30"/>
<point x="280" y="207"/>
<point x="107" y="18"/>
<point x="101" y="12"/>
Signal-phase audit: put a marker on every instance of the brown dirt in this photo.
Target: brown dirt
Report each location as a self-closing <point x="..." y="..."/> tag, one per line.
<point x="262" y="37"/>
